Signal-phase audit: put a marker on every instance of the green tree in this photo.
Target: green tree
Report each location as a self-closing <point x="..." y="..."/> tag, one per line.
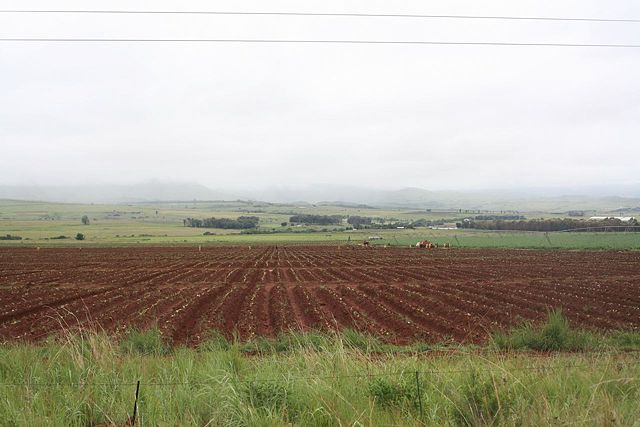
<point x="85" y="220"/>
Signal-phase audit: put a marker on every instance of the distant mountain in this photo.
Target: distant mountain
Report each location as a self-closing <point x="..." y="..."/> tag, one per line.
<point x="551" y="200"/>
<point x="528" y="200"/>
<point x="345" y="194"/>
<point x="108" y="193"/>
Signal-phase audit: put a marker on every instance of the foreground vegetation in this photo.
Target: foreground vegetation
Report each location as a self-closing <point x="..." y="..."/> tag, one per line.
<point x="315" y="379"/>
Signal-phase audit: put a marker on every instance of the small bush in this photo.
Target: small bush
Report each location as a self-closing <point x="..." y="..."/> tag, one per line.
<point x="215" y="341"/>
<point x="554" y="335"/>
<point x="479" y="401"/>
<point x="629" y="340"/>
<point x="294" y="340"/>
<point x="289" y="341"/>
<point x="392" y="393"/>
<point x="269" y="395"/>
<point x="148" y="342"/>
<point x="10" y="237"/>
<point x="79" y="236"/>
<point x="358" y="340"/>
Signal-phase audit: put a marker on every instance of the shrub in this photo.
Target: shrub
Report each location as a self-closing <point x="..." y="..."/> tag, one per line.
<point x="148" y="342"/>
<point x="554" y="335"/>
<point x="625" y="339"/>
<point x="79" y="236"/>
<point x="355" y="339"/>
<point x="392" y="393"/>
<point x="269" y="395"/>
<point x="479" y="401"/>
<point x="294" y="340"/>
<point x="215" y="341"/>
<point x="289" y="341"/>
<point x="10" y="237"/>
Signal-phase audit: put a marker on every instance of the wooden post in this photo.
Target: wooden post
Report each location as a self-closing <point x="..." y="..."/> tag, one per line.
<point x="135" y="404"/>
<point x="419" y="395"/>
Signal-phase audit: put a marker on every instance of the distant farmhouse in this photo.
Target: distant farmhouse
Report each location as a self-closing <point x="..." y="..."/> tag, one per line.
<point x="603" y="218"/>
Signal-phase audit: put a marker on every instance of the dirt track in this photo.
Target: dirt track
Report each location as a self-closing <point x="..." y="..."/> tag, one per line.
<point x="400" y="295"/>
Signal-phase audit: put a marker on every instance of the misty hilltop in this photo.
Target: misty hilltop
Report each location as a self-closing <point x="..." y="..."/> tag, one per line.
<point x="111" y="193"/>
<point x="553" y="200"/>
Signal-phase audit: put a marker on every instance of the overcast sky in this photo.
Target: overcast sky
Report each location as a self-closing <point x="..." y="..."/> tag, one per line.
<point x="388" y="116"/>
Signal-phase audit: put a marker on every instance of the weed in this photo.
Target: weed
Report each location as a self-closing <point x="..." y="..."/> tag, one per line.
<point x="149" y="342"/>
<point x="554" y="335"/>
<point x="480" y="400"/>
<point x="357" y="340"/>
<point x="389" y="393"/>
<point x="267" y="394"/>
<point x="215" y="341"/>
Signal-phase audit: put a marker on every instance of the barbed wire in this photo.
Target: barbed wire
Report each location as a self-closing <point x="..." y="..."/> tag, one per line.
<point x="295" y="378"/>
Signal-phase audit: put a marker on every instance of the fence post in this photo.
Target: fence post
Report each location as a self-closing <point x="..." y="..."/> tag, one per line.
<point x="135" y="404"/>
<point x="419" y="395"/>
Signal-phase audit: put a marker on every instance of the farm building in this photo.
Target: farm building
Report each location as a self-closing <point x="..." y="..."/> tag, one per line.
<point x="621" y="218"/>
<point x="445" y="226"/>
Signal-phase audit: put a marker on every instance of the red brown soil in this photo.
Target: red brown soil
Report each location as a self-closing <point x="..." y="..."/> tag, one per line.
<point x="399" y="294"/>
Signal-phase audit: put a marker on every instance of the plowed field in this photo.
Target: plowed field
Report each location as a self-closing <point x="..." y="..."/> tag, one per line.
<point x="401" y="295"/>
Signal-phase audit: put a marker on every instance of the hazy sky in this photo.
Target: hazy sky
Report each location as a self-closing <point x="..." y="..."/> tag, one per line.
<point x="236" y="115"/>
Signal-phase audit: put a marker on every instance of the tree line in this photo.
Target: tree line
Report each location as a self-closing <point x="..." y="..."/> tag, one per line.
<point x="316" y="219"/>
<point x="242" y="222"/>
<point x="499" y="217"/>
<point x="363" y="222"/>
<point x="358" y="221"/>
<point x="556" y="224"/>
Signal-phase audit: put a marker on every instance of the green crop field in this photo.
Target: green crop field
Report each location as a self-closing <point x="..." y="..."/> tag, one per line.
<point x="161" y="224"/>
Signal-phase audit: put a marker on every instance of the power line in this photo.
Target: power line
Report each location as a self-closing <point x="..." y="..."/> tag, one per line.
<point x="359" y="15"/>
<point x="282" y="41"/>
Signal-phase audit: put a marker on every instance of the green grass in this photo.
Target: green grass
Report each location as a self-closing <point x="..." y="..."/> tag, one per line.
<point x="161" y="224"/>
<point x="317" y="379"/>
<point x="133" y="234"/>
<point x="555" y="334"/>
<point x="148" y="342"/>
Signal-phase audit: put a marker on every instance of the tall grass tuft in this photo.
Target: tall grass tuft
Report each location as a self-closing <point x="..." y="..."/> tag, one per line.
<point x="481" y="400"/>
<point x="389" y="392"/>
<point x="318" y="380"/>
<point x="148" y="342"/>
<point x="554" y="335"/>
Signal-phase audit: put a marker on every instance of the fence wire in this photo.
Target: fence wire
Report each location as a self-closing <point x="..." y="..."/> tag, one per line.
<point x="293" y="378"/>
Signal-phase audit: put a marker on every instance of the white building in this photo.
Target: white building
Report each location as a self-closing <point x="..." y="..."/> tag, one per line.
<point x="621" y="218"/>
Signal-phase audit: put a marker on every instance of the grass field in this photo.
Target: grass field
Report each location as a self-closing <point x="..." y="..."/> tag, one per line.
<point x="125" y="233"/>
<point x="323" y="380"/>
<point x="570" y="378"/>
<point x="124" y="225"/>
